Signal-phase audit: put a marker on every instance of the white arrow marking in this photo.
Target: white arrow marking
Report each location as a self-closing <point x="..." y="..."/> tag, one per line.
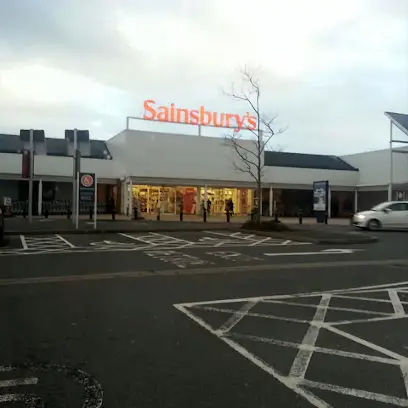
<point x="323" y="252"/>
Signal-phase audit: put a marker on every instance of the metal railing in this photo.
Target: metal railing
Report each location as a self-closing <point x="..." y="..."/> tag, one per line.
<point x="57" y="207"/>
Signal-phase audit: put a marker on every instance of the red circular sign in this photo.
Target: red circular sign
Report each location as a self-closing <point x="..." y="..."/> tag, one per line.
<point x="87" y="180"/>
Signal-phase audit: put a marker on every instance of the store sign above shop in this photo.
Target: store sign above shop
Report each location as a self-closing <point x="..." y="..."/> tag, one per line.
<point x="198" y="116"/>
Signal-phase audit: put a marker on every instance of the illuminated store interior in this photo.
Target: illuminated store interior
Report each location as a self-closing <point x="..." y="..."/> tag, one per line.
<point x="192" y="199"/>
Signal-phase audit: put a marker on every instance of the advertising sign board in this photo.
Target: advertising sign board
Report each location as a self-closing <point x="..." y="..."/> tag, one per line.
<point x="320" y="195"/>
<point x="199" y="116"/>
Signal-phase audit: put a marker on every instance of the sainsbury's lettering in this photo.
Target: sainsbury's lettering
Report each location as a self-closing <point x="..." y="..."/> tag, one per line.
<point x="197" y="116"/>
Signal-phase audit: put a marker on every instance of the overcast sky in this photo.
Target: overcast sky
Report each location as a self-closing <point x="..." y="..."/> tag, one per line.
<point x="328" y="68"/>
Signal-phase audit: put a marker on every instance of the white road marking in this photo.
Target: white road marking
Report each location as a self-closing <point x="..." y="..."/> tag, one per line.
<point x="137" y="238"/>
<point x="322" y="350"/>
<point x="257" y="240"/>
<point x="236" y="318"/>
<point x="157" y="240"/>
<point x="404" y="370"/>
<point x="260" y="242"/>
<point x="396" y="302"/>
<point x="47" y="242"/>
<point x="5" y="369"/>
<point x="323" y="252"/>
<point x="239" y="313"/>
<point x="240" y="235"/>
<point x="337" y="292"/>
<point x="317" y="402"/>
<point x="366" y="343"/>
<point x="296" y="378"/>
<point x="375" y="288"/>
<point x="369" y="319"/>
<point x="12" y="398"/>
<point x="234" y="256"/>
<point x="65" y="240"/>
<point x="302" y="360"/>
<point x="179" y="259"/>
<point x="18" y="382"/>
<point x="363" y="298"/>
<point x="342" y="309"/>
<point x="23" y="242"/>
<point x="170" y="238"/>
<point x="372" y="396"/>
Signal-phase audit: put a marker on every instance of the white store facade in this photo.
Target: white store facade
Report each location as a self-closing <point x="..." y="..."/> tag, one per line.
<point x="175" y="168"/>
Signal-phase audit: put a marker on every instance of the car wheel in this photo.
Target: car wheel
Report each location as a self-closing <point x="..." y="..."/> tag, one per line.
<point x="374" y="225"/>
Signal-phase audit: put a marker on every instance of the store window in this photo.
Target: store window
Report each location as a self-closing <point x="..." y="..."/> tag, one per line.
<point x="171" y="198"/>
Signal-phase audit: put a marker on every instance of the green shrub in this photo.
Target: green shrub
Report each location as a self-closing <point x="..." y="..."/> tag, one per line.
<point x="270" y="225"/>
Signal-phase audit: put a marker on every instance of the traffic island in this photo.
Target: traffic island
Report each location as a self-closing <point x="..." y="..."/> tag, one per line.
<point x="314" y="234"/>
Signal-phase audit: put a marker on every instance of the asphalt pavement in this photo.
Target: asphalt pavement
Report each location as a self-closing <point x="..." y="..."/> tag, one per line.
<point x="203" y="319"/>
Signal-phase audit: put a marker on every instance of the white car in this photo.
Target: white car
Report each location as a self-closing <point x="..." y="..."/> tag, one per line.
<point x="391" y="214"/>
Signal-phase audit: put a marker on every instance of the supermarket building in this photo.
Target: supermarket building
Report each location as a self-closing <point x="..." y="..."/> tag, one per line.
<point x="175" y="168"/>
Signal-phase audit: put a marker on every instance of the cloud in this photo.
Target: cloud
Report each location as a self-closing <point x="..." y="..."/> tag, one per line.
<point x="329" y="69"/>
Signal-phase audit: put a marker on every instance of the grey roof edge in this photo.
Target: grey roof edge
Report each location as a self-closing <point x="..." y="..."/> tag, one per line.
<point x="397" y="123"/>
<point x="97" y="146"/>
<point x="346" y="166"/>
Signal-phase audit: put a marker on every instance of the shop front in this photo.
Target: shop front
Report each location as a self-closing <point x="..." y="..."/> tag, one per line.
<point x="170" y="198"/>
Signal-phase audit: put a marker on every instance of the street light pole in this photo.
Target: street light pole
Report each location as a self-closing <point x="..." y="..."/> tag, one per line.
<point x="31" y="176"/>
<point x="74" y="181"/>
<point x="391" y="167"/>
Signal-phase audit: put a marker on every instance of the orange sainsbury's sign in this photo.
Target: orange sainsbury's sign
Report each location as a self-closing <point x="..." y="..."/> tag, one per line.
<point x="198" y="116"/>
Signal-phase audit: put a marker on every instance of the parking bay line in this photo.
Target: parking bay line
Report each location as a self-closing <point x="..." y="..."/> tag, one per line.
<point x="323" y="252"/>
<point x="23" y="242"/>
<point x="18" y="382"/>
<point x="65" y="240"/>
<point x="183" y="242"/>
<point x="159" y="240"/>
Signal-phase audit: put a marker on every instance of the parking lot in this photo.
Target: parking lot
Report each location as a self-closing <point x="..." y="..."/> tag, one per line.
<point x="330" y="341"/>
<point x="140" y="241"/>
<point x="157" y="319"/>
<point x="122" y="252"/>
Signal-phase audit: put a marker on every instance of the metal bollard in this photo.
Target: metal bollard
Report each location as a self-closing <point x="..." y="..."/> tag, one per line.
<point x="69" y="212"/>
<point x="325" y="218"/>
<point x="228" y="215"/>
<point x="135" y="213"/>
<point x="181" y="215"/>
<point x="113" y="215"/>
<point x="205" y="215"/>
<point x="158" y="215"/>
<point x="90" y="213"/>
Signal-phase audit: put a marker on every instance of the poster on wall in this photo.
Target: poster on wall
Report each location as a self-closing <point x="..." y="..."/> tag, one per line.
<point x="320" y="195"/>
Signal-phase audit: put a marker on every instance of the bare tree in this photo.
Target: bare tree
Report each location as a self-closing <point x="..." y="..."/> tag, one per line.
<point x="251" y="160"/>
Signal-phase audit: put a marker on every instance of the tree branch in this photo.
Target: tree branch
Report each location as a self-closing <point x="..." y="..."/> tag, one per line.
<point x="251" y="161"/>
<point x="234" y="141"/>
